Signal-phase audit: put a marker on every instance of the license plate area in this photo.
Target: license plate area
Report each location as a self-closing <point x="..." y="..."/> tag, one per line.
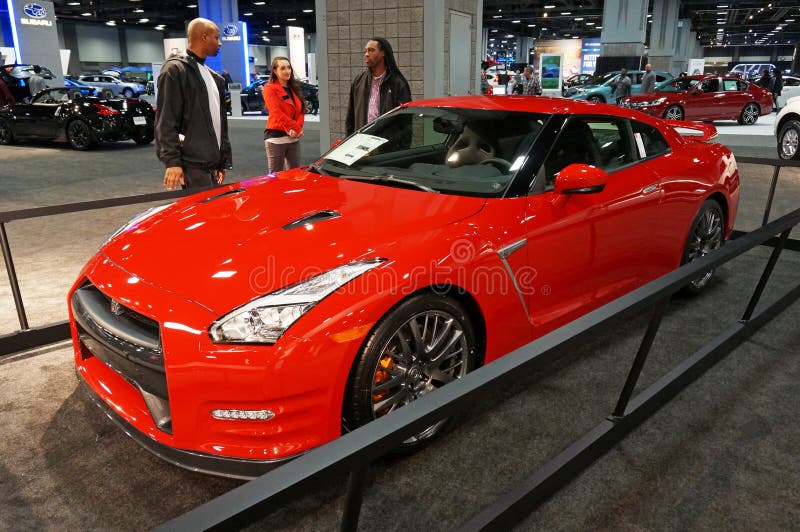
<point x="139" y="121"/>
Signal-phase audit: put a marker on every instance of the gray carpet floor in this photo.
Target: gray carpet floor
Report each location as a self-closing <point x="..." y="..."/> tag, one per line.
<point x="724" y="455"/>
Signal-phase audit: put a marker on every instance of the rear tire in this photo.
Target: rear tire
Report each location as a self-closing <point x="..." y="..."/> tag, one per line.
<point x="427" y="341"/>
<point x="749" y="115"/>
<point x="788" y="138"/>
<point x="79" y="135"/>
<point x="706" y="235"/>
<point x="6" y="133"/>
<point x="145" y="137"/>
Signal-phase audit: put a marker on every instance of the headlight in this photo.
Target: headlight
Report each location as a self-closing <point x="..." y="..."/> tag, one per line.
<point x="264" y="320"/>
<point x="139" y="218"/>
<point x="657" y="101"/>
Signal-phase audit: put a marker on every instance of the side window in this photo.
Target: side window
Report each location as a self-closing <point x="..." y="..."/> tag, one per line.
<point x="660" y="78"/>
<point x="730" y="85"/>
<point x="649" y="141"/>
<point x="791" y="82"/>
<point x="710" y="85"/>
<point x="601" y="142"/>
<point x="742" y="86"/>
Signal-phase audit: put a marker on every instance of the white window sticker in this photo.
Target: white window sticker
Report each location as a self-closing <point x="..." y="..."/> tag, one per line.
<point x="640" y="145"/>
<point x="354" y="148"/>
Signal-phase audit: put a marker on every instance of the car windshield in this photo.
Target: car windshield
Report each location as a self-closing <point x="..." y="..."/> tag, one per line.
<point x="677" y="85"/>
<point x="471" y="152"/>
<point x="58" y="95"/>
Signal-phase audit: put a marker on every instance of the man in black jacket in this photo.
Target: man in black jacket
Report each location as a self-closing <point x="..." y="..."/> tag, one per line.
<point x="191" y="122"/>
<point x="378" y="89"/>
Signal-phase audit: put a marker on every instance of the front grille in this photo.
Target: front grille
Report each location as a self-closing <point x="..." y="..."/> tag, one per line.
<point x="128" y="343"/>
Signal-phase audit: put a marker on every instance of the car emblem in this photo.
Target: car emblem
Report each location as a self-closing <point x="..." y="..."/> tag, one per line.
<point x="230" y="30"/>
<point x="35" y="10"/>
<point x="116" y="308"/>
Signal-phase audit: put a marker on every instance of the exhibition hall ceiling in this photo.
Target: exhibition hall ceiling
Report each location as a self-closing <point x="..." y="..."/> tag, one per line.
<point x="717" y="22"/>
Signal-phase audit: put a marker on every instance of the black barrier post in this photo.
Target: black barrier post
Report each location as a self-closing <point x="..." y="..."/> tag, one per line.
<point x="771" y="195"/>
<point x="641" y="357"/>
<point x="12" y="278"/>
<point x="352" y="502"/>
<point x="762" y="283"/>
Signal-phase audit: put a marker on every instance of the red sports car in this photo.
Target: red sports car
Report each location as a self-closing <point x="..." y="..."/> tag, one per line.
<point x="240" y="327"/>
<point x="705" y="98"/>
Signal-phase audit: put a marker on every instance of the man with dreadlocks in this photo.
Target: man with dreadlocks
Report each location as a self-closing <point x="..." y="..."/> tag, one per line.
<point x="378" y="89"/>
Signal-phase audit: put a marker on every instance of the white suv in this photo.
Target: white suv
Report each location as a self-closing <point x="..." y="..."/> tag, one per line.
<point x="787" y="129"/>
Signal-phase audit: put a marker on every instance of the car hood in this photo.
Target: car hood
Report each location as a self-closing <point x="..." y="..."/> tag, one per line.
<point x="228" y="246"/>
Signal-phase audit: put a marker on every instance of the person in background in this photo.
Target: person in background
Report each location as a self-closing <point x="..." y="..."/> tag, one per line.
<point x="765" y="80"/>
<point x="6" y="98"/>
<point x="486" y="88"/>
<point x="284" y="101"/>
<point x="227" y="77"/>
<point x="36" y="82"/>
<point x="622" y="87"/>
<point x="530" y="83"/>
<point x="378" y="89"/>
<point x="648" y="80"/>
<point x="191" y="122"/>
<point x="777" y="88"/>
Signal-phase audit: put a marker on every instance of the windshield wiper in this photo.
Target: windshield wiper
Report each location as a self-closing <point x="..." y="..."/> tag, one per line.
<point x="391" y="179"/>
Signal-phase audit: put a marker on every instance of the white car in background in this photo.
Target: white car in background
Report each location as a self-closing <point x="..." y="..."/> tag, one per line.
<point x="791" y="88"/>
<point x="787" y="129"/>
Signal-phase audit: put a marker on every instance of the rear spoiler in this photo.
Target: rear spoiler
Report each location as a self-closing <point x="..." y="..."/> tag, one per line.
<point x="707" y="131"/>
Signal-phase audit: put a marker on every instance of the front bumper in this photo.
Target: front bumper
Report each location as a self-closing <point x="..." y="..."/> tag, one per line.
<point x="165" y="402"/>
<point x="220" y="466"/>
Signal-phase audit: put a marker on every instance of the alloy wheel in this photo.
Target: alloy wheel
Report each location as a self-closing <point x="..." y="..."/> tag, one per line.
<point x="79" y="135"/>
<point x="674" y="112"/>
<point x="750" y="114"/>
<point x="789" y="142"/>
<point x="424" y="353"/>
<point x="706" y="236"/>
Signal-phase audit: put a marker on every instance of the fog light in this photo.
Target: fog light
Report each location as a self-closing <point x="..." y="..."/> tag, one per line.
<point x="256" y="415"/>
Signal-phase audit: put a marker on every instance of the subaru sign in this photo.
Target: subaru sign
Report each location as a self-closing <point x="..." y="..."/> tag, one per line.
<point x="35" y="10"/>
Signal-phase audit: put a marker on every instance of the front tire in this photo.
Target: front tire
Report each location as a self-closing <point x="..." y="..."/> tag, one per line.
<point x="788" y="138"/>
<point x="706" y="235"/>
<point x="596" y="99"/>
<point x="674" y="112"/>
<point x="128" y="93"/>
<point x="749" y="114"/>
<point x="144" y="137"/>
<point x="424" y="343"/>
<point x="79" y="135"/>
<point x="6" y="133"/>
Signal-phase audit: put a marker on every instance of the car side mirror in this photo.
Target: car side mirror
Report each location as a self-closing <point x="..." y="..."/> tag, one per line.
<point x="580" y="179"/>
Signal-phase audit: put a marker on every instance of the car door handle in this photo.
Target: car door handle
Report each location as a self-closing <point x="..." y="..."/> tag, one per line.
<point x="650" y="188"/>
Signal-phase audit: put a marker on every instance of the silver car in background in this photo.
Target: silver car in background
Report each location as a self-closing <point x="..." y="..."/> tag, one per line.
<point x="116" y="86"/>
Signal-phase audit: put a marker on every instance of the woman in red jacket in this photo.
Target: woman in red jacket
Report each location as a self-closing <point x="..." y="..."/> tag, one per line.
<point x="285" y="103"/>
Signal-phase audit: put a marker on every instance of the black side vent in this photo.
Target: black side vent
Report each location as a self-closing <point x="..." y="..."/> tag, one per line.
<point x="319" y="216"/>
<point x="223" y="194"/>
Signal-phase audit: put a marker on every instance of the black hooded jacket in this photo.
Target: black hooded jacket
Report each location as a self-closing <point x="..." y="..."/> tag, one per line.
<point x="182" y="108"/>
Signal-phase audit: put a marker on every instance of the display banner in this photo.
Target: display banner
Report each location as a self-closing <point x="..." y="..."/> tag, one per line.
<point x="33" y="28"/>
<point x="696" y="67"/>
<point x="296" y="41"/>
<point x="550" y="74"/>
<point x="234" y="56"/>
<point x="590" y="51"/>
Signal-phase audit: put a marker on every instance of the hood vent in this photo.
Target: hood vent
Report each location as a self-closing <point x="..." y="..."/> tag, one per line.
<point x="223" y="194"/>
<point x="319" y="216"/>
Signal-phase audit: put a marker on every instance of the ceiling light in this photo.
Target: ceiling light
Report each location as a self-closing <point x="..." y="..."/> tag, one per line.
<point x="259" y="3"/>
<point x="73" y="3"/>
<point x="516" y="21"/>
<point x="138" y="10"/>
<point x="308" y="11"/>
<point x="192" y="6"/>
<point x="86" y="14"/>
<point x="290" y="19"/>
<point x="265" y="39"/>
<point x="111" y="23"/>
<point x="497" y="16"/>
<point x="590" y="23"/>
<point x="276" y="25"/>
<point x="531" y="25"/>
<point x="578" y="19"/>
<point x="143" y="20"/>
<point x="549" y="7"/>
<point x="566" y="12"/>
<point x="510" y="36"/>
<point x="545" y="14"/>
<point x="247" y="14"/>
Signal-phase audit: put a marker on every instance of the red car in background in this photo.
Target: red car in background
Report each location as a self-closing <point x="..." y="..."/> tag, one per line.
<point x="705" y="98"/>
<point x="242" y="326"/>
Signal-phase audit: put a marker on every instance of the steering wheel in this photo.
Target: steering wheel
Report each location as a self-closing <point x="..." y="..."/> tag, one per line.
<point x="501" y="164"/>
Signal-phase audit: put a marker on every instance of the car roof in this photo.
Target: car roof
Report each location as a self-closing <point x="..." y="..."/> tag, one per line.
<point x="528" y="104"/>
